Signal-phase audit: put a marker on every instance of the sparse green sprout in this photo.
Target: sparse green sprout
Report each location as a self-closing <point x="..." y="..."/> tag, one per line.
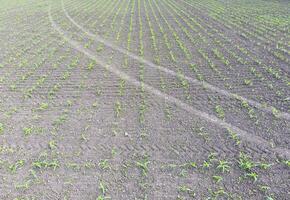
<point x="264" y="188"/>
<point x="245" y="163"/>
<point x="23" y="186"/>
<point x="223" y="166"/>
<point x="69" y="103"/>
<point x="269" y="198"/>
<point x="184" y="83"/>
<point x="95" y="104"/>
<point x="220" y="112"/>
<point x="104" y="164"/>
<point x="248" y="82"/>
<point x="89" y="165"/>
<point x="43" y="106"/>
<point x="206" y="164"/>
<point x="73" y="165"/>
<point x="44" y="164"/>
<point x="167" y="112"/>
<point x="200" y="77"/>
<point x="12" y="87"/>
<point x="101" y="197"/>
<point x="143" y="165"/>
<point x="65" y="75"/>
<point x="17" y="165"/>
<point x="84" y="137"/>
<point x="122" y="87"/>
<point x="102" y="188"/>
<point x="60" y="120"/>
<point x="201" y="132"/>
<point x="186" y="189"/>
<point x="189" y="165"/>
<point x="98" y="92"/>
<point x="52" y="144"/>
<point x="114" y="151"/>
<point x="183" y="173"/>
<point x="252" y="175"/>
<point x="27" y="130"/>
<point x="118" y="108"/>
<point x="245" y="104"/>
<point x="74" y="63"/>
<point x="264" y="166"/>
<point x="212" y="157"/>
<point x="142" y="110"/>
<point x="33" y="173"/>
<point x="287" y="163"/>
<point x="218" y="193"/>
<point x="53" y="164"/>
<point x="275" y="112"/>
<point x="234" y="136"/>
<point x="193" y="67"/>
<point x="1" y="128"/>
<point x="91" y="65"/>
<point x="217" y="179"/>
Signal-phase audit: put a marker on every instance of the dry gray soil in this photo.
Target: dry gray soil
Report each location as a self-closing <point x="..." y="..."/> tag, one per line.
<point x="144" y="99"/>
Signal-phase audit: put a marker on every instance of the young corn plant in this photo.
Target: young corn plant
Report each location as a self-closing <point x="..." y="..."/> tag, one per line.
<point x="118" y="108"/>
<point x="1" y="128"/>
<point x="223" y="166"/>
<point x="220" y="112"/>
<point x="143" y="165"/>
<point x="103" y="191"/>
<point x="187" y="190"/>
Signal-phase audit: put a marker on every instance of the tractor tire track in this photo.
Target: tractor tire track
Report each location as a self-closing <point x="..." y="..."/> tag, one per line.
<point x="284" y="152"/>
<point x="269" y="109"/>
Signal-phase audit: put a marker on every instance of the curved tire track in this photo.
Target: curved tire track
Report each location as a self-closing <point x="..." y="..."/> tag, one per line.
<point x="258" y="105"/>
<point x="210" y="118"/>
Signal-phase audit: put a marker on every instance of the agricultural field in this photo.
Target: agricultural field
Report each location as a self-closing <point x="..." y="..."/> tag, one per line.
<point x="144" y="99"/>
